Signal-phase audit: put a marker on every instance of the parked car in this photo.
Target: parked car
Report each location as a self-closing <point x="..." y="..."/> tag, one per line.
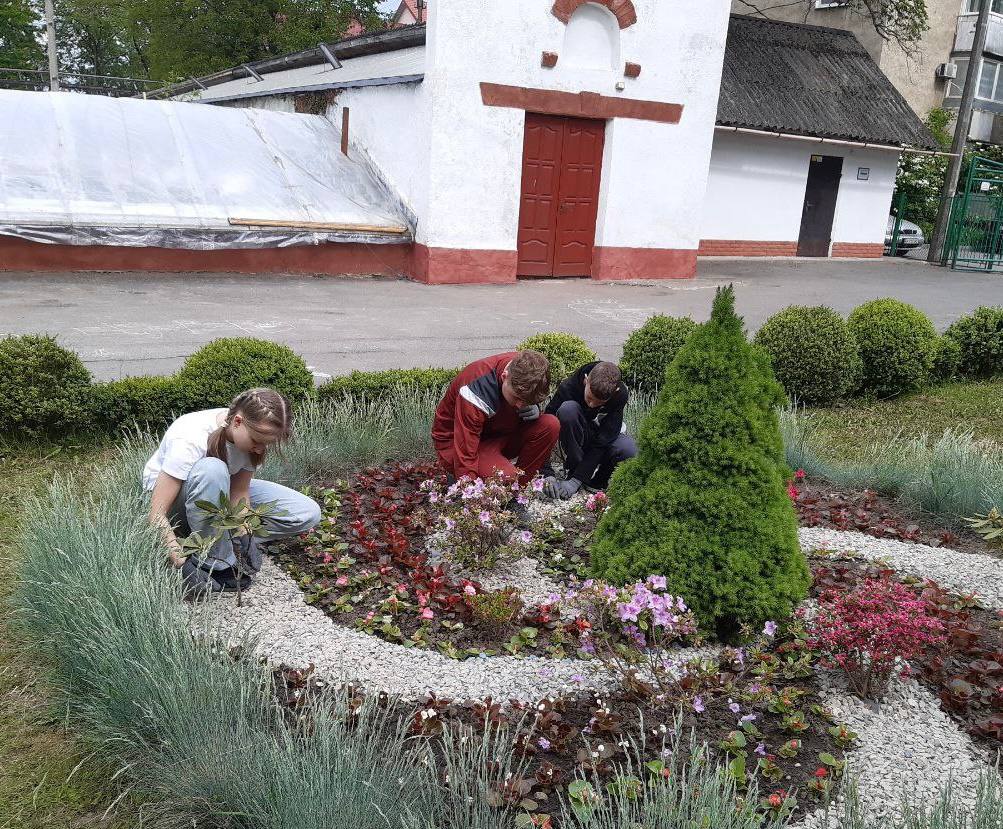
<point x="910" y="237"/>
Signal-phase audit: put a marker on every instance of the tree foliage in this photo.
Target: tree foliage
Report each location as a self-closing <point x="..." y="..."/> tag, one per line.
<point x="901" y="21"/>
<point x="704" y="503"/>
<point x="19" y="29"/>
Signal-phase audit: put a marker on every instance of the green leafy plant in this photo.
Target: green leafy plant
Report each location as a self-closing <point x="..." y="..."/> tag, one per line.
<point x="376" y="385"/>
<point x="898" y="346"/>
<point x="495" y="610"/>
<point x="44" y="388"/>
<point x="946" y="359"/>
<point x="239" y="522"/>
<point x="989" y="526"/>
<point x="705" y="502"/>
<point x="221" y="370"/>
<point x="567" y="353"/>
<point x="649" y="350"/>
<point x="979" y="337"/>
<point x="147" y="402"/>
<point x="813" y="354"/>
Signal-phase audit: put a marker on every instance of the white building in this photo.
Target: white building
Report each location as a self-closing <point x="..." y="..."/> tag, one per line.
<point x="574" y="138"/>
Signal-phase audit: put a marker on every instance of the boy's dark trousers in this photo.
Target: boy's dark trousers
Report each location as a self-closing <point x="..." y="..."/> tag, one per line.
<point x="578" y="433"/>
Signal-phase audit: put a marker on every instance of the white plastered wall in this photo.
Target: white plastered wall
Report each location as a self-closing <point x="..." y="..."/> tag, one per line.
<point x="654" y="175"/>
<point x="757" y="184"/>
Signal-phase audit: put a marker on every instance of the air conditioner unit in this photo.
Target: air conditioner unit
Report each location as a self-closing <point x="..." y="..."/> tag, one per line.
<point x="947" y="71"/>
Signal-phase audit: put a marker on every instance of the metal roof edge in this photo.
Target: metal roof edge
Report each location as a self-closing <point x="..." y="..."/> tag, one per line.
<point x="292" y="90"/>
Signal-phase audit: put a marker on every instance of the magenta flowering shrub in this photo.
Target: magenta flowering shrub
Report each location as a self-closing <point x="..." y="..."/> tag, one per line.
<point x="597" y="503"/>
<point x="630" y="630"/>
<point x="475" y="518"/>
<point x="871" y="631"/>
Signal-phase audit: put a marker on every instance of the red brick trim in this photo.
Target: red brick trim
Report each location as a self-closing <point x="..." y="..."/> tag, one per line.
<point x="858" y="250"/>
<point x="624" y="10"/>
<point x="632" y="70"/>
<point x="578" y="105"/>
<point x="746" y="247"/>
<point x="330" y="258"/>
<point x="456" y="266"/>
<point x="549" y="60"/>
<point x="644" y="263"/>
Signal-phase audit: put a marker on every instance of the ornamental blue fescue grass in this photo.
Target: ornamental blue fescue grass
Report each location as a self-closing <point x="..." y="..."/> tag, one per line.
<point x="195" y="733"/>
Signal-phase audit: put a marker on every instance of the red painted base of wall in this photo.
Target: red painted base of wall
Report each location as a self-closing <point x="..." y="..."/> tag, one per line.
<point x="455" y="266"/>
<point x="644" y="263"/>
<point x="332" y="258"/>
<point x="859" y="250"/>
<point x="746" y="247"/>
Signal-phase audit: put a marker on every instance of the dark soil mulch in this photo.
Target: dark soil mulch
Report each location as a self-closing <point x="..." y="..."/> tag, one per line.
<point x="821" y="505"/>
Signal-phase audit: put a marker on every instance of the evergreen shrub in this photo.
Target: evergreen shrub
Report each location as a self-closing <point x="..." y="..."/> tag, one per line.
<point x="979" y="336"/>
<point x="813" y="354"/>
<point x="898" y="346"/>
<point x="151" y="402"/>
<point x="44" y="388"/>
<point x="649" y="350"/>
<point x="376" y="385"/>
<point x="946" y="359"/>
<point x="221" y="370"/>
<point x="567" y="353"/>
<point x="705" y="502"/>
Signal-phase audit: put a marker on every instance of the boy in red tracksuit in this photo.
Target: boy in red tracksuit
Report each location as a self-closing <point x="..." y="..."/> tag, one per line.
<point x="490" y="418"/>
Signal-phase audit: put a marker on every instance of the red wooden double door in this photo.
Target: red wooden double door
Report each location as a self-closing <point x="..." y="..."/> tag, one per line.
<point x="561" y="169"/>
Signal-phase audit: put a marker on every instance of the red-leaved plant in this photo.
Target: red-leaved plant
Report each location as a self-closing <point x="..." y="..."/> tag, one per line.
<point x="870" y="631"/>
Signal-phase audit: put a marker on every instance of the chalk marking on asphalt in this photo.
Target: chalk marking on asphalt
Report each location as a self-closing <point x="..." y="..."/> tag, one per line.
<point x="609" y="310"/>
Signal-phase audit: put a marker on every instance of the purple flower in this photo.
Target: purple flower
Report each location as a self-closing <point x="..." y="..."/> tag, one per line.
<point x="522" y="500"/>
<point x="628" y="612"/>
<point x="698" y="705"/>
<point x="770" y="628"/>
<point x="450" y="525"/>
<point x="734" y="706"/>
<point x="578" y="679"/>
<point x="760" y="749"/>
<point x="537" y="484"/>
<point x="747" y="719"/>
<point x="588" y="647"/>
<point x="485" y="518"/>
<point x="526" y="537"/>
<point x="544" y="743"/>
<point x="657" y="582"/>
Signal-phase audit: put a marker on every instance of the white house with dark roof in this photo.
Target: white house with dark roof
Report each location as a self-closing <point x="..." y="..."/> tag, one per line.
<point x="524" y="139"/>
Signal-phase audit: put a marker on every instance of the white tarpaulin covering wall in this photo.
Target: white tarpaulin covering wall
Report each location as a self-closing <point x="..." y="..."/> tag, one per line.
<point x="86" y="169"/>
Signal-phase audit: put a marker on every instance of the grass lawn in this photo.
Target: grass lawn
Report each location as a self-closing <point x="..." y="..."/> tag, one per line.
<point x="38" y="785"/>
<point x="852" y="428"/>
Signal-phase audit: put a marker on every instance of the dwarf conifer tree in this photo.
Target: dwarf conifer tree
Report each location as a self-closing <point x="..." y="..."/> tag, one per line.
<point x="705" y="501"/>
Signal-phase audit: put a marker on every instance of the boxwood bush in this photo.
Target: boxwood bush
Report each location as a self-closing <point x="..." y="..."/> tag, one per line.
<point x="946" y="359"/>
<point x="567" y="353"/>
<point x="375" y="385"/>
<point x="44" y="388"/>
<point x="898" y="346"/>
<point x="813" y="354"/>
<point x="705" y="502"/>
<point x="649" y="350"/>
<point x="144" y="401"/>
<point x="979" y="336"/>
<point x="221" y="370"/>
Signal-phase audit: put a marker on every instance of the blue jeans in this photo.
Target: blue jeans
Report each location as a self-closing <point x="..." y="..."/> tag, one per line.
<point x="294" y="512"/>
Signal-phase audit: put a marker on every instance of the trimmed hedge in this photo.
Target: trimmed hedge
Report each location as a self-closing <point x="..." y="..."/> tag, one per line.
<point x="649" y="350"/>
<point x="567" y="353"/>
<point x="221" y="370"/>
<point x="44" y="388"/>
<point x="979" y="336"/>
<point x="898" y="345"/>
<point x="370" y="385"/>
<point x="144" y="401"/>
<point x="946" y="359"/>
<point x="813" y="353"/>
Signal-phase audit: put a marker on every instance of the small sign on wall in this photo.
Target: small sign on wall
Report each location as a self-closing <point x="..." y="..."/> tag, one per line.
<point x="863" y="173"/>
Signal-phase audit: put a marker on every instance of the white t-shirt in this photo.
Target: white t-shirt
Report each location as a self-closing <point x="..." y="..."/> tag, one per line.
<point x="186" y="442"/>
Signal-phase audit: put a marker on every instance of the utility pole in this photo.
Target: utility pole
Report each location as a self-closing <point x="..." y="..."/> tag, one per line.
<point x="50" y="31"/>
<point x="961" y="129"/>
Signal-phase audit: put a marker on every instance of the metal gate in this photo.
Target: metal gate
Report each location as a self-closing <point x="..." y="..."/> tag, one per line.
<point x="975" y="231"/>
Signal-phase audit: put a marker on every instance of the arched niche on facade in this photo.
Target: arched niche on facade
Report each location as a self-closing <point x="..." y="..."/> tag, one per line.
<point x="592" y="38"/>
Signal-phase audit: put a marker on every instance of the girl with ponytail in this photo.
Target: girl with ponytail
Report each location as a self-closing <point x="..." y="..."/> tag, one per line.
<point x="204" y="454"/>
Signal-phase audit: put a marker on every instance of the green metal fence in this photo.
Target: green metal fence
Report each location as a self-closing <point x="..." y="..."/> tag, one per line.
<point x="975" y="231"/>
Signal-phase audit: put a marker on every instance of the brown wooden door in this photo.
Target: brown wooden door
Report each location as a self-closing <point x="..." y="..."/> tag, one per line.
<point x="561" y="170"/>
<point x="824" y="172"/>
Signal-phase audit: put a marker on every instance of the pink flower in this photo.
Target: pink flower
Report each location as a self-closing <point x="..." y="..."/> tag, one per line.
<point x="526" y="537"/>
<point x="470" y="590"/>
<point x="342" y="581"/>
<point x="328" y="558"/>
<point x="427" y="613"/>
<point x="657" y="582"/>
<point x="799" y="475"/>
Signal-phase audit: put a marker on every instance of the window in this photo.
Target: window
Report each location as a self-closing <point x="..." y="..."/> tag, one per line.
<point x="990" y="81"/>
<point x="972" y="6"/>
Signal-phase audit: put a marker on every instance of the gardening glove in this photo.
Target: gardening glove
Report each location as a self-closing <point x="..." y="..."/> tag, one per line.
<point x="562" y="490"/>
<point x="530" y="413"/>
